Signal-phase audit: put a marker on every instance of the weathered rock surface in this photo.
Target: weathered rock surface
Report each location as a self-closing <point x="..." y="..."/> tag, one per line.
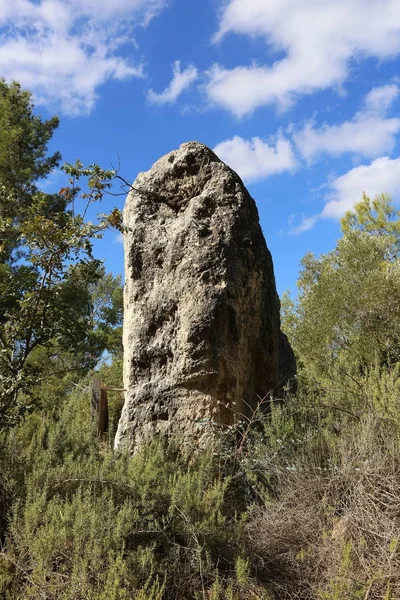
<point x="202" y="335"/>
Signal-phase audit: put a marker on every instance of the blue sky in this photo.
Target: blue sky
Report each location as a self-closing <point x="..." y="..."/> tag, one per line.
<point x="301" y="97"/>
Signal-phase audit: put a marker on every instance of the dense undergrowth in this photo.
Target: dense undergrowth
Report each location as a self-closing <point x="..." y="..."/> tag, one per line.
<point x="300" y="503"/>
<point x="305" y="506"/>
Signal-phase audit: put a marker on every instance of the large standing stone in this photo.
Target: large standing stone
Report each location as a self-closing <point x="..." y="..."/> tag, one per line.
<point x="202" y="335"/>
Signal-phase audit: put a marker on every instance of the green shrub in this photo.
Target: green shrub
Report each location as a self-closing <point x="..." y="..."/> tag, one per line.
<point x="85" y="524"/>
<point x="300" y="503"/>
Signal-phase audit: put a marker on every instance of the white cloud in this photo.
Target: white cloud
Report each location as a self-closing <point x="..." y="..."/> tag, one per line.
<point x="181" y="80"/>
<point x="254" y="159"/>
<point x="318" y="38"/>
<point x="369" y="133"/>
<point x="119" y="239"/>
<point x="305" y="223"/>
<point x="103" y="9"/>
<point x="64" y="50"/>
<point x="380" y="98"/>
<point x="381" y="176"/>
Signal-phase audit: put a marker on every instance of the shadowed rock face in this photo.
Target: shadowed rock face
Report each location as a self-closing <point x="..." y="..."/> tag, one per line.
<point x="202" y="335"/>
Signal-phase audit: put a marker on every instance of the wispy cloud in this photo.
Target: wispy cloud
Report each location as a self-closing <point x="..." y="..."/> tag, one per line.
<point x="300" y="223"/>
<point x="119" y="238"/>
<point x="255" y="159"/>
<point x="180" y="81"/>
<point x="319" y="38"/>
<point x="64" y="50"/>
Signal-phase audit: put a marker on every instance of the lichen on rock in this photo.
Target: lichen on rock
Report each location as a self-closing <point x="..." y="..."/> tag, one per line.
<point x="202" y="339"/>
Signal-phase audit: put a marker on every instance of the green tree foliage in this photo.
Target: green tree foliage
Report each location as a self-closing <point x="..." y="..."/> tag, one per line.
<point x="23" y="143"/>
<point x="106" y="298"/>
<point x="24" y="137"/>
<point x="347" y="315"/>
<point x="52" y="288"/>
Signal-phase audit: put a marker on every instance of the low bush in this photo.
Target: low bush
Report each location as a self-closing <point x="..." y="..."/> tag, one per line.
<point x="87" y="525"/>
<point x="303" y="506"/>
